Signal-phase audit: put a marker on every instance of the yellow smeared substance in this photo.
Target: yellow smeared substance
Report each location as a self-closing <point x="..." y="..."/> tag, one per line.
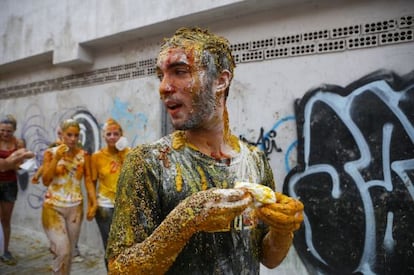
<point x="260" y="193"/>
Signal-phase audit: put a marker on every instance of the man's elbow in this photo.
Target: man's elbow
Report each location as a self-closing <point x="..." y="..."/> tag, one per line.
<point x="111" y="266"/>
<point x="272" y="263"/>
<point x="46" y="181"/>
<point x="115" y="267"/>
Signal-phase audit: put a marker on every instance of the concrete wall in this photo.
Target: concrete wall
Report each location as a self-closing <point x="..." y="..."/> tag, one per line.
<point x="95" y="59"/>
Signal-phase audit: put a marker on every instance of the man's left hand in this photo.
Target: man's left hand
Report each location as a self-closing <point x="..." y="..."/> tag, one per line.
<point x="285" y="215"/>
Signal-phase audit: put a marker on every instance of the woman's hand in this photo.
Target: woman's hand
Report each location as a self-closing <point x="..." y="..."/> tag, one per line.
<point x="22" y="154"/>
<point x="92" y="207"/>
<point x="60" y="151"/>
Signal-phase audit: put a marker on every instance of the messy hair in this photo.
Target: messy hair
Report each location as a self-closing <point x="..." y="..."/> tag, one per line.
<point x="214" y="51"/>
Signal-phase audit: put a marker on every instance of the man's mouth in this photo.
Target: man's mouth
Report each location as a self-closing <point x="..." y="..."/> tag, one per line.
<point x="172" y="105"/>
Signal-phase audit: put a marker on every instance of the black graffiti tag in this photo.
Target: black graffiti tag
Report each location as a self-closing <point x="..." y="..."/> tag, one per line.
<point x="266" y="142"/>
<point x="355" y="176"/>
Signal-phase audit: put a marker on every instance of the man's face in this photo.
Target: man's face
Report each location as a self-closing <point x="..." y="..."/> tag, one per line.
<point x="185" y="89"/>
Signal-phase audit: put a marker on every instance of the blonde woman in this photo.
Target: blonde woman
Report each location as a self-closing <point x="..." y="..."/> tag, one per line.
<point x="9" y="144"/>
<point x="64" y="168"/>
<point x="106" y="167"/>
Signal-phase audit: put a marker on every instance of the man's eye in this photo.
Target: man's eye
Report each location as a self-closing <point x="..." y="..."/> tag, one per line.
<point x="181" y="71"/>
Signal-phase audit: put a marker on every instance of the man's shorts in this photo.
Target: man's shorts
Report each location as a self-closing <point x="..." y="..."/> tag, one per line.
<point x="8" y="191"/>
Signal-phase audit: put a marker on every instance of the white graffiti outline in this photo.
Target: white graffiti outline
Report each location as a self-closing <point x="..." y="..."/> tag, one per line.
<point x="341" y="105"/>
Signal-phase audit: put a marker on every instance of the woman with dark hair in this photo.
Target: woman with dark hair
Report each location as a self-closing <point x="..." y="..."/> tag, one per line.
<point x="9" y="144"/>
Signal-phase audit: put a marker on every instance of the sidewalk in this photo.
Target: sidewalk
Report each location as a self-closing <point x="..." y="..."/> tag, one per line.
<point x="33" y="257"/>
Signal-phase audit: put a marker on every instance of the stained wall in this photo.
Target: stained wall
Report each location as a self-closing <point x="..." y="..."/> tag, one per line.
<point x="95" y="59"/>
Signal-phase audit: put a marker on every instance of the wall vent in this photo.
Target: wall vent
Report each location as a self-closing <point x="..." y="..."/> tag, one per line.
<point x="342" y="38"/>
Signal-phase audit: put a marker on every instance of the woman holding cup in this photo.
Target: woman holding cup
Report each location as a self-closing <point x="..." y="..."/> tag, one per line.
<point x="106" y="167"/>
<point x="64" y="168"/>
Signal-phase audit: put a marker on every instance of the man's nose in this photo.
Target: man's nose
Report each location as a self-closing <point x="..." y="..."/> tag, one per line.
<point x="166" y="87"/>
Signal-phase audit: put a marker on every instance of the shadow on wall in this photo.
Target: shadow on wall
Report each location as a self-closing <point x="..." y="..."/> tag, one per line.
<point x="355" y="176"/>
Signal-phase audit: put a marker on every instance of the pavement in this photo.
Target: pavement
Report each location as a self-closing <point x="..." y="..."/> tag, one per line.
<point x="33" y="256"/>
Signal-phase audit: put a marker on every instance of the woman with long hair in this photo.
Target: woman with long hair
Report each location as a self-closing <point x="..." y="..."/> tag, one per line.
<point x="64" y="168"/>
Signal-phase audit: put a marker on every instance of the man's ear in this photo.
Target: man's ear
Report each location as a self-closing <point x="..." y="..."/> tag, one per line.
<point x="223" y="80"/>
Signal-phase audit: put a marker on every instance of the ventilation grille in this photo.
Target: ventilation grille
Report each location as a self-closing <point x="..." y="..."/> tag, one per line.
<point x="339" y="39"/>
<point x="345" y="31"/>
<point x="396" y="37"/>
<point x="362" y="41"/>
<point x="331" y="46"/>
<point x="374" y="34"/>
<point x="406" y="22"/>
<point x="379" y="26"/>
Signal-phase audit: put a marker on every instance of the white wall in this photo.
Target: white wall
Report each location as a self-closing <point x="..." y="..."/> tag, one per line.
<point x="42" y="41"/>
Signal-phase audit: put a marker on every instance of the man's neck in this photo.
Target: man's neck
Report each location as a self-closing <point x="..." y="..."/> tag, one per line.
<point x="210" y="142"/>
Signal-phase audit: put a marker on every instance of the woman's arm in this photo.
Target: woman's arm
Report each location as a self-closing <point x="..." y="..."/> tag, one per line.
<point x="50" y="161"/>
<point x="90" y="189"/>
<point x="14" y="159"/>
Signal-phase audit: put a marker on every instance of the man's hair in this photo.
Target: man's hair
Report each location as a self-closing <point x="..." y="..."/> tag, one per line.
<point x="214" y="51"/>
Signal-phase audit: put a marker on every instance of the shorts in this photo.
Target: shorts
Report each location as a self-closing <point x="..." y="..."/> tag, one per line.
<point x="8" y="191"/>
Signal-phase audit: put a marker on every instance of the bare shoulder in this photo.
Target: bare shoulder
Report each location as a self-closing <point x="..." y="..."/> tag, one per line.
<point x="20" y="143"/>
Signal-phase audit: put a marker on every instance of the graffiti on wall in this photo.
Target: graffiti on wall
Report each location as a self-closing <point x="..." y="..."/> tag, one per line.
<point x="39" y="130"/>
<point x="355" y="176"/>
<point x="133" y="123"/>
<point x="268" y="144"/>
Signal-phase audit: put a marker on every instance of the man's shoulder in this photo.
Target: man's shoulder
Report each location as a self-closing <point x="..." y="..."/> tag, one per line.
<point x="152" y="148"/>
<point x="250" y="147"/>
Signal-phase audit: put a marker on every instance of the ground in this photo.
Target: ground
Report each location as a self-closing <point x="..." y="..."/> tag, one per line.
<point x="33" y="257"/>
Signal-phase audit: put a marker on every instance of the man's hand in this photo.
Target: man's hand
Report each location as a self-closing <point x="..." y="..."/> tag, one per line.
<point x="209" y="211"/>
<point x="286" y="215"/>
<point x="213" y="210"/>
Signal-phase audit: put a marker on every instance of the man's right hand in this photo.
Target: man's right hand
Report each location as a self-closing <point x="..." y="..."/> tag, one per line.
<point x="213" y="210"/>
